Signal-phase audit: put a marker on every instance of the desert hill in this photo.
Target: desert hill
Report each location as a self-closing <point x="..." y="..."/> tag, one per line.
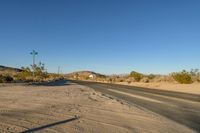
<point x="5" y="69"/>
<point x="85" y="75"/>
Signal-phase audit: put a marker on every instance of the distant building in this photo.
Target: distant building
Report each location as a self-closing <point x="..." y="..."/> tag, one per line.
<point x="92" y="76"/>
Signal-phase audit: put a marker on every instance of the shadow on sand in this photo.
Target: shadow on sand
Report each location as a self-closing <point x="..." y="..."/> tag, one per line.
<point x="53" y="83"/>
<point x="50" y="125"/>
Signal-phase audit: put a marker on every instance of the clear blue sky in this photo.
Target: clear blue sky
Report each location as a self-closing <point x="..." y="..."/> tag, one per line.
<point x="106" y="36"/>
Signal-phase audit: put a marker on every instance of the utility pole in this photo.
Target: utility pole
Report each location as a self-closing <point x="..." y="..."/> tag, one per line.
<point x="61" y="71"/>
<point x="34" y="53"/>
<point x="58" y="70"/>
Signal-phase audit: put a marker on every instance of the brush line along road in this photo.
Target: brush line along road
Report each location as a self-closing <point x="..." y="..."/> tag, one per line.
<point x="180" y="107"/>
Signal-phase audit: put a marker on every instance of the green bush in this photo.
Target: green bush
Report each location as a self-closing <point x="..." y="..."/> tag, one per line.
<point x="183" y="77"/>
<point x="137" y="76"/>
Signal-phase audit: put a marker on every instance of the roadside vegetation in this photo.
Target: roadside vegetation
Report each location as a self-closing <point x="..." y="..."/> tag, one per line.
<point x="6" y="79"/>
<point x="183" y="77"/>
<point x="26" y="75"/>
<point x="136" y="75"/>
<point x="33" y="73"/>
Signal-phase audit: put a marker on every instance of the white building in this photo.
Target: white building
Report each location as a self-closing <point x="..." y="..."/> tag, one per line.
<point x="92" y="76"/>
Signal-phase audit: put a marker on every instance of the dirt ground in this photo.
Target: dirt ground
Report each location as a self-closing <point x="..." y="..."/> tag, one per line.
<point x="73" y="108"/>
<point x="185" y="88"/>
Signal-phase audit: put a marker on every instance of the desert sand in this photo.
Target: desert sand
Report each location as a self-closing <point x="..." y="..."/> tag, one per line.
<point x="74" y="108"/>
<point x="185" y="88"/>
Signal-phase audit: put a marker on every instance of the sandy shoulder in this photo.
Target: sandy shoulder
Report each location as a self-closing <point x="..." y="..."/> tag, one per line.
<point x="185" y="88"/>
<point x="28" y="107"/>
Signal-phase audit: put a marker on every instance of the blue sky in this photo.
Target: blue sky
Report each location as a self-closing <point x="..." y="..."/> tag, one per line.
<point x="106" y="36"/>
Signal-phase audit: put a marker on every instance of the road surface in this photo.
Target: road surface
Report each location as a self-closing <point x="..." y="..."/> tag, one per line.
<point x="180" y="107"/>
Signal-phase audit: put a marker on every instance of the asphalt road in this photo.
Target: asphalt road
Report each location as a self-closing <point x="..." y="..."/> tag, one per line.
<point x="180" y="107"/>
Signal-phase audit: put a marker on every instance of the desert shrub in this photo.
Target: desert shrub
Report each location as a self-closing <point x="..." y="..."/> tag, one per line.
<point x="87" y="78"/>
<point x="1" y="79"/>
<point x="145" y="80"/>
<point x="151" y="76"/>
<point x="41" y="75"/>
<point x="40" y="72"/>
<point x="109" y="80"/>
<point x="137" y="76"/>
<point x="121" y="80"/>
<point x="54" y="77"/>
<point x="102" y="76"/>
<point x="195" y="74"/>
<point x="5" y="79"/>
<point x="183" y="77"/>
<point x="118" y="79"/>
<point x="8" y="78"/>
<point x="26" y="73"/>
<point x="128" y="81"/>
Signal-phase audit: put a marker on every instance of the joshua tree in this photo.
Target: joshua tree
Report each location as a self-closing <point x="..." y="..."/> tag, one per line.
<point x="34" y="53"/>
